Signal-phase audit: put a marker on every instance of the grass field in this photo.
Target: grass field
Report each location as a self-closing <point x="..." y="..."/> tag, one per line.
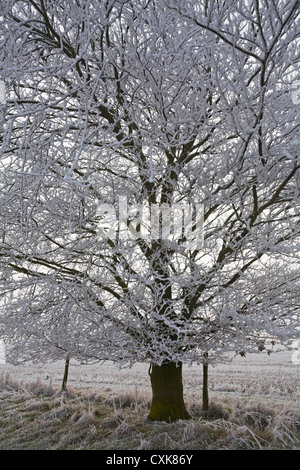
<point x="254" y="404"/>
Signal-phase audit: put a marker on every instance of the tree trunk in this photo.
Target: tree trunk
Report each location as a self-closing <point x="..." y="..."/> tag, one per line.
<point x="205" y="388"/>
<point x="66" y="371"/>
<point x="167" y="393"/>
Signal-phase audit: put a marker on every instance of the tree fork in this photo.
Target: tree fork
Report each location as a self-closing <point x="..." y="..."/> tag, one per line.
<point x="167" y="393"/>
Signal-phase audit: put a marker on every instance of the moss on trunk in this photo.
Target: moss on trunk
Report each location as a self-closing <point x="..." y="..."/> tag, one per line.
<point x="167" y="393"/>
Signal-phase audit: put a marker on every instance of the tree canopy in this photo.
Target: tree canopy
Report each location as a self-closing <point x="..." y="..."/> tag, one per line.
<point x="163" y="103"/>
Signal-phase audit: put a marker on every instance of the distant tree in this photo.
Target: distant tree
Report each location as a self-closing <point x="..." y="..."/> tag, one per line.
<point x="159" y="103"/>
<point x="205" y="395"/>
<point x="66" y="373"/>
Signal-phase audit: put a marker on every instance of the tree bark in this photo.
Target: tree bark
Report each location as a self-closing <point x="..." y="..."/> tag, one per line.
<point x="205" y="388"/>
<point x="65" y="377"/>
<point x="167" y="393"/>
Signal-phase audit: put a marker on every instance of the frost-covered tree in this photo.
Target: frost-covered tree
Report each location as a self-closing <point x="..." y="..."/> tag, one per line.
<point x="153" y="104"/>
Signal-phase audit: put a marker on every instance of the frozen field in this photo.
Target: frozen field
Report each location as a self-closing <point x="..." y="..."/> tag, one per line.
<point x="254" y="404"/>
<point x="273" y="379"/>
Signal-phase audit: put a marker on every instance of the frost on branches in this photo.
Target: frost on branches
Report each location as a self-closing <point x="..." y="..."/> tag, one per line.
<point x="164" y="103"/>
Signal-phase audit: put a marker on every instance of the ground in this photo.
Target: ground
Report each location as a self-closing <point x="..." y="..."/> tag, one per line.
<point x="254" y="404"/>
